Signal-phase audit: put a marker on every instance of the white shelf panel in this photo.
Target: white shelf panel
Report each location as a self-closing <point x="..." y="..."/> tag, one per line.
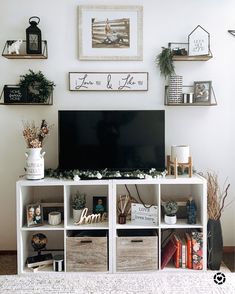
<point x="130" y="225"/>
<point x="181" y="224"/>
<point x="45" y="227"/>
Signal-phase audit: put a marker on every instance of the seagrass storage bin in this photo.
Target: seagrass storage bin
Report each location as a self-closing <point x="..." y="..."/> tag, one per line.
<point x="86" y="251"/>
<point x="137" y="250"/>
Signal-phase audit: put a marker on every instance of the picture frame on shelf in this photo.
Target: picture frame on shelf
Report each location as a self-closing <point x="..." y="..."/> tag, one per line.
<point x="110" y="32"/>
<point x="34" y="215"/>
<point x="199" y="42"/>
<point x="202" y="92"/>
<point x="99" y="204"/>
<point x="179" y="49"/>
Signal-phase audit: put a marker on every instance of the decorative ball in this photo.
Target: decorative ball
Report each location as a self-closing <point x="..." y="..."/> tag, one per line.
<point x="39" y="241"/>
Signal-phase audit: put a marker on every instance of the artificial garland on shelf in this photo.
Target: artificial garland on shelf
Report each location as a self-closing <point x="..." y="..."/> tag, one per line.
<point x="77" y="175"/>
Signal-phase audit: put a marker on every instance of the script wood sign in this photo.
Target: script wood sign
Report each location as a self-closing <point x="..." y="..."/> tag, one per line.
<point x="108" y="81"/>
<point x="143" y="215"/>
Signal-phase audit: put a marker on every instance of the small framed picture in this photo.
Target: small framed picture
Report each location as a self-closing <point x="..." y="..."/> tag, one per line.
<point x="100" y="204"/>
<point x="34" y="215"/>
<point x="180" y="49"/>
<point x="202" y="92"/>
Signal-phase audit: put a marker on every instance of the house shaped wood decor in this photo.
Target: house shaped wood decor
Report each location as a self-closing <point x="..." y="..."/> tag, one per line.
<point x="199" y="42"/>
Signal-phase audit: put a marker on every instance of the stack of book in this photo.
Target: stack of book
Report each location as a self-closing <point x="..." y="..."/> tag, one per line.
<point x="185" y="251"/>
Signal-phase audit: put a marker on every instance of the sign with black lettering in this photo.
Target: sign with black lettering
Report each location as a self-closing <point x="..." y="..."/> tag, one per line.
<point x="13" y="94"/>
<point x="108" y="81"/>
<point x="145" y="215"/>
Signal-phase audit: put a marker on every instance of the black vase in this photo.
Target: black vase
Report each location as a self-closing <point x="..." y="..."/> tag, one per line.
<point x="214" y="244"/>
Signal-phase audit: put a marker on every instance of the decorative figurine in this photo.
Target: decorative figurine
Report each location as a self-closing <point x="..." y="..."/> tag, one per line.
<point x="14" y="48"/>
<point x="191" y="209"/>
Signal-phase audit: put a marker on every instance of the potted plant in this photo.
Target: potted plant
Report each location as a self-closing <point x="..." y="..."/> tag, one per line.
<point x="170" y="207"/>
<point x="164" y="61"/>
<point x="78" y="204"/>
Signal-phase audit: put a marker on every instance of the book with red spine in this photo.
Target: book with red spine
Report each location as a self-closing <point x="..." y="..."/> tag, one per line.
<point x="189" y="251"/>
<point x="178" y="253"/>
<point x="167" y="253"/>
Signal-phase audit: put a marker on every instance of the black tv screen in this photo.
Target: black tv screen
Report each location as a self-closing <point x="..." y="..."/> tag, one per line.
<point x="116" y="140"/>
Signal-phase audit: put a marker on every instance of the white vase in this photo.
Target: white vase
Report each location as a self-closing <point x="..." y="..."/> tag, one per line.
<point x="170" y="220"/>
<point x="34" y="164"/>
<point x="175" y="89"/>
<point x="77" y="215"/>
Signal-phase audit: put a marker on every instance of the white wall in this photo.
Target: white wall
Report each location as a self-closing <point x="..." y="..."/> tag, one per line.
<point x="208" y="130"/>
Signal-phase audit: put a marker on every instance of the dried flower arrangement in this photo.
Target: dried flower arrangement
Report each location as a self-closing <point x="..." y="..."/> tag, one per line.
<point x="215" y="196"/>
<point x="35" y="136"/>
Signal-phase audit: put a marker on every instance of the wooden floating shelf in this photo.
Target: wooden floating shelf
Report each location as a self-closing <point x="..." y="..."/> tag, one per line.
<point x="192" y="58"/>
<point x="23" y="54"/>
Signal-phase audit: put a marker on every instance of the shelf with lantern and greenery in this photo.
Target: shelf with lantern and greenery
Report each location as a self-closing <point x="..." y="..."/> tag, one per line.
<point x="33" y="89"/>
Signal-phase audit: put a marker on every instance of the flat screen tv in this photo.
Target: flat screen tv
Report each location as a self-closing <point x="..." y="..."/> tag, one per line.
<point x="117" y="140"/>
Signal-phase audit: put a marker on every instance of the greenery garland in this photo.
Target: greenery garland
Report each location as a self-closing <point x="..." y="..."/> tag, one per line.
<point x="37" y="87"/>
<point x="107" y="174"/>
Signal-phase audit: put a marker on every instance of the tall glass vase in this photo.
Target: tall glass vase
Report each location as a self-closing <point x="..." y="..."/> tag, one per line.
<point x="214" y="244"/>
<point x="34" y="164"/>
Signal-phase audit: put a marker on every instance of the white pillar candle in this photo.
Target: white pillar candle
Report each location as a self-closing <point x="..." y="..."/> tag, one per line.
<point x="180" y="152"/>
<point x="54" y="218"/>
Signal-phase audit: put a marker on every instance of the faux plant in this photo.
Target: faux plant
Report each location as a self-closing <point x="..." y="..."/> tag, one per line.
<point x="165" y="62"/>
<point x="171" y="207"/>
<point x="37" y="87"/>
<point x="215" y="196"/>
<point x="79" y="201"/>
<point x="35" y="136"/>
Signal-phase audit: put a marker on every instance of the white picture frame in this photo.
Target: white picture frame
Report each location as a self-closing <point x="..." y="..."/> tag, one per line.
<point x="108" y="81"/>
<point x="110" y="32"/>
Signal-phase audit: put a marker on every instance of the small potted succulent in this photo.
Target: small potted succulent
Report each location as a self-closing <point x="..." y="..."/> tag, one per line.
<point x="78" y="204"/>
<point x="170" y="208"/>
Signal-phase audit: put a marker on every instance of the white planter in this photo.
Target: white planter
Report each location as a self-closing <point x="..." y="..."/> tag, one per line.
<point x="34" y="164"/>
<point x="180" y="152"/>
<point x="170" y="220"/>
<point x="77" y="215"/>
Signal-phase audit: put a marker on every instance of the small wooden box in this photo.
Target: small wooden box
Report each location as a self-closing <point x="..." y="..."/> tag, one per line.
<point x="86" y="254"/>
<point x="137" y="253"/>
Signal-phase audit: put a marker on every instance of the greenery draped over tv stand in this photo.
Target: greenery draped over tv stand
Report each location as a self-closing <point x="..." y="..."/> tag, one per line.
<point x="103" y="174"/>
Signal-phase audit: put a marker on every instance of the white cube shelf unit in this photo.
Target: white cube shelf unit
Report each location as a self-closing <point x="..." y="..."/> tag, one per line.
<point x="119" y="257"/>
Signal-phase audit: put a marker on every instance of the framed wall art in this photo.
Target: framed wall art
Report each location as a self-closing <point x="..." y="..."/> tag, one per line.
<point x="199" y="42"/>
<point x="202" y="92"/>
<point x="108" y="81"/>
<point x="110" y="32"/>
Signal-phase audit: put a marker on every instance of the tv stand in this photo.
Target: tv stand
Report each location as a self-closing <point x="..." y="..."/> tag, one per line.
<point x="107" y="246"/>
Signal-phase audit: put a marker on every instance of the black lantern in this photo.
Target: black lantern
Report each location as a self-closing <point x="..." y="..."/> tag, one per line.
<point x="33" y="37"/>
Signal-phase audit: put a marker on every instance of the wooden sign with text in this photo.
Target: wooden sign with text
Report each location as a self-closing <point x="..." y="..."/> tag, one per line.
<point x="108" y="81"/>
